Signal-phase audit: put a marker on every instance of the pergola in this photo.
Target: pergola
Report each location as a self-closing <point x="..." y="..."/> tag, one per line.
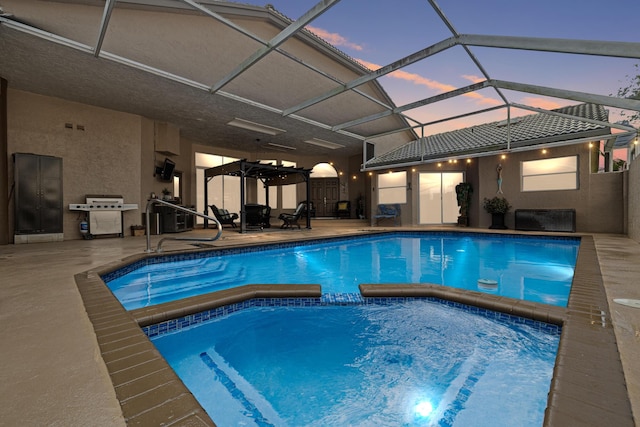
<point x="269" y="174"/>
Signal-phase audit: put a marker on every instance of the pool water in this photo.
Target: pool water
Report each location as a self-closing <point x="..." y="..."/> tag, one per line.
<point x="414" y="363"/>
<point x="534" y="269"/>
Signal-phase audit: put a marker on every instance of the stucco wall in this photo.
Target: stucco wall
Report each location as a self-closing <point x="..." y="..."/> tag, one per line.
<point x="410" y="211"/>
<point x="599" y="200"/>
<point x="633" y="200"/>
<point x="104" y="158"/>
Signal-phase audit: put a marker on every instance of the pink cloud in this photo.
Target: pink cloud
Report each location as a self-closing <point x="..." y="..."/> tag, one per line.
<point x="473" y="79"/>
<point x="543" y="103"/>
<point x="334" y="38"/>
<point x="433" y="84"/>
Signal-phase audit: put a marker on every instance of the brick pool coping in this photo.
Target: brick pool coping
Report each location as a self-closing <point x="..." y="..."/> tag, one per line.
<point x="587" y="388"/>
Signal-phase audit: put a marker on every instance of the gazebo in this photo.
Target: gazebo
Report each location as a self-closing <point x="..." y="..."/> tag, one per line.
<point x="268" y="174"/>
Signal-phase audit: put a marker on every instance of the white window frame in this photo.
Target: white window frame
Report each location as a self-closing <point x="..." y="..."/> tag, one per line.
<point x="392" y="188"/>
<point x="554" y="174"/>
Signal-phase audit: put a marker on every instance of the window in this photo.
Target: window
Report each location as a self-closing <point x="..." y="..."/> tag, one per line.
<point x="177" y="185"/>
<point x="289" y="192"/>
<point x="392" y="187"/>
<point x="224" y="191"/>
<point x="560" y="173"/>
<point x="261" y="191"/>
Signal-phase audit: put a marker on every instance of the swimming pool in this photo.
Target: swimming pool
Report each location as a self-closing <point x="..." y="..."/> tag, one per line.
<point x="538" y="269"/>
<point x="417" y="362"/>
<point x="571" y="395"/>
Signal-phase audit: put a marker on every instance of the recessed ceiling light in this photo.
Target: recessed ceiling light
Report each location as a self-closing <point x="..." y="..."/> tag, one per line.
<point x="257" y="127"/>
<point x="324" y="144"/>
<point x="280" y="146"/>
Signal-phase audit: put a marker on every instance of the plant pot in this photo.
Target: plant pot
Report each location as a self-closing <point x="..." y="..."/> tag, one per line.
<point x="137" y="231"/>
<point x="497" y="221"/>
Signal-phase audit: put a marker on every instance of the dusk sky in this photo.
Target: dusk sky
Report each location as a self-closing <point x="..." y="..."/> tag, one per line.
<point x="377" y="33"/>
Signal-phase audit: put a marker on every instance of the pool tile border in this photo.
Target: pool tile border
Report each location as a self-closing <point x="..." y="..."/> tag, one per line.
<point x="175" y="325"/>
<point x="587" y="388"/>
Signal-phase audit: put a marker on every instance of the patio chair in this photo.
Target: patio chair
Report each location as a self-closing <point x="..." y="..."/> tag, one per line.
<point x="312" y="209"/>
<point x="224" y="217"/>
<point x="343" y="209"/>
<point x="388" y="212"/>
<point x="289" y="220"/>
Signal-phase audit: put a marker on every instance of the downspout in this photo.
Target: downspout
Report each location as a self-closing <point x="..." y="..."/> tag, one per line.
<point x="4" y="165"/>
<point x="508" y="127"/>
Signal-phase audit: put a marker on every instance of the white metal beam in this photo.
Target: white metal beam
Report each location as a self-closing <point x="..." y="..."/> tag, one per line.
<point x="411" y="106"/>
<point x="624" y="103"/>
<point x="455" y="33"/>
<point x="106" y="16"/>
<point x="435" y="122"/>
<point x="158" y="72"/>
<point x="494" y="152"/>
<point x="572" y="117"/>
<point x="285" y="34"/>
<point x="403" y="62"/>
<point x="224" y="21"/>
<point x="581" y="47"/>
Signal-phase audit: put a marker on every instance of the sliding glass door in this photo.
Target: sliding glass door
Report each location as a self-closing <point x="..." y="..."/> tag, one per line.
<point x="438" y="202"/>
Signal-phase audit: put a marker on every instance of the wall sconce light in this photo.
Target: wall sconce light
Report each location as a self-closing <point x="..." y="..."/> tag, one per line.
<point x="340" y="173"/>
<point x="370" y="173"/>
<point x="544" y="151"/>
<point x="355" y="177"/>
<point x="591" y="145"/>
<point x="504" y="156"/>
<point x="439" y="165"/>
<point x="468" y="160"/>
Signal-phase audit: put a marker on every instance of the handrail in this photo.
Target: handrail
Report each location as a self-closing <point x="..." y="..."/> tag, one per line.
<point x="151" y="202"/>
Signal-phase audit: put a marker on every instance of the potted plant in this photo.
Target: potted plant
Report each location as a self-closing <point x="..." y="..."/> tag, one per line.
<point x="497" y="207"/>
<point x="166" y="194"/>
<point x="463" y="192"/>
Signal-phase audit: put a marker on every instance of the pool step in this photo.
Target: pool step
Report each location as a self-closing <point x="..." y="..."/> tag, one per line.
<point x="240" y="390"/>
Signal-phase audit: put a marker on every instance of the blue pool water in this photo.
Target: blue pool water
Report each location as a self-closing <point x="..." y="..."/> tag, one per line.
<point x="534" y="269"/>
<point x="414" y="363"/>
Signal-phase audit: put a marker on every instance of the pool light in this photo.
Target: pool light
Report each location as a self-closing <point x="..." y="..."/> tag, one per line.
<point x="423" y="409"/>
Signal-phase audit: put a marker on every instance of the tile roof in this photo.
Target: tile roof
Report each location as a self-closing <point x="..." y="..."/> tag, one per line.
<point x="530" y="130"/>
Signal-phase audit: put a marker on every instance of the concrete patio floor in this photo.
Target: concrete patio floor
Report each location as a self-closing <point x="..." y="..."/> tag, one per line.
<point x="52" y="372"/>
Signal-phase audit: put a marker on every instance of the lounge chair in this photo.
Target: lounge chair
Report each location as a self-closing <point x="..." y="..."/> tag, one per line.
<point x="224" y="217"/>
<point x="343" y="209"/>
<point x="289" y="220"/>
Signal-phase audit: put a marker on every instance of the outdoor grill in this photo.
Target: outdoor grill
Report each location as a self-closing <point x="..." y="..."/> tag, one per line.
<point x="104" y="214"/>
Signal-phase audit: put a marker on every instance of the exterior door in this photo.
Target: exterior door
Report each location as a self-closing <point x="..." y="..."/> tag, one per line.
<point x="438" y="199"/>
<point x="325" y="193"/>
